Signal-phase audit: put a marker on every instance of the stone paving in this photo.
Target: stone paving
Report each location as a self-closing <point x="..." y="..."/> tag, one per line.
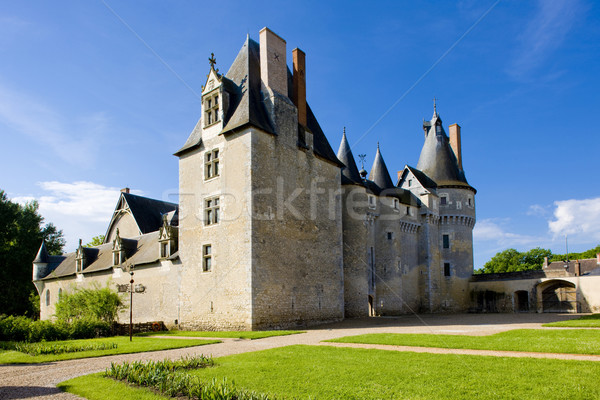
<point x="38" y="381"/>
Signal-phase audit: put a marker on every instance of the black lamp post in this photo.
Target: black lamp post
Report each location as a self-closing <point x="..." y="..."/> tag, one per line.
<point x="131" y="304"/>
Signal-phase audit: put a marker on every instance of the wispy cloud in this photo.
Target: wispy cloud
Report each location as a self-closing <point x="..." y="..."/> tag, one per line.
<point x="579" y="218"/>
<point x="544" y="33"/>
<point x="81" y="209"/>
<point x="494" y="230"/>
<point x="73" y="140"/>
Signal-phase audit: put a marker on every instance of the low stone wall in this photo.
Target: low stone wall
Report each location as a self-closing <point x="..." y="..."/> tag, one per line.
<point x="155" y="326"/>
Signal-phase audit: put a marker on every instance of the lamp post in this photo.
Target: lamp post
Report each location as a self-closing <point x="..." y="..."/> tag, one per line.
<point x="131" y="303"/>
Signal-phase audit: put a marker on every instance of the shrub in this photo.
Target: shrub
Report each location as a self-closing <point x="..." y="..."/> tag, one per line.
<point x="23" y="329"/>
<point x="36" y="349"/>
<point x="89" y="304"/>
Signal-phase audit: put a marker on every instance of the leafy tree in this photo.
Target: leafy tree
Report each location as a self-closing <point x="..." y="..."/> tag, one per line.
<point x="96" y="241"/>
<point x="511" y="260"/>
<point x="21" y="234"/>
<point x="591" y="253"/>
<point x="93" y="304"/>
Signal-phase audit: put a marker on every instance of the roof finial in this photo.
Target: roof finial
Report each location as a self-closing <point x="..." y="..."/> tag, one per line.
<point x="362" y="160"/>
<point x="212" y="60"/>
<point x="377" y="146"/>
<point x="434" y="106"/>
<point x="344" y="131"/>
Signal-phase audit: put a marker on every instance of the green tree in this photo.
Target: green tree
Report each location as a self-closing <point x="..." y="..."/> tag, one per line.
<point x="504" y="261"/>
<point x="96" y="241"/>
<point x="21" y="234"/>
<point x="95" y="304"/>
<point x="591" y="253"/>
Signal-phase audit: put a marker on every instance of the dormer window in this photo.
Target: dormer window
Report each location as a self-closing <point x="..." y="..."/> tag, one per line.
<point x="211" y="109"/>
<point x="167" y="239"/>
<point x="117" y="258"/>
<point x="79" y="258"/>
<point x="118" y="250"/>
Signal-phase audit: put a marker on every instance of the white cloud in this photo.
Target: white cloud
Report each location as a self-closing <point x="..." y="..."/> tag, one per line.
<point x="538" y="210"/>
<point x="81" y="209"/>
<point x="579" y="218"/>
<point x="74" y="140"/>
<point x="544" y="33"/>
<point x="492" y="229"/>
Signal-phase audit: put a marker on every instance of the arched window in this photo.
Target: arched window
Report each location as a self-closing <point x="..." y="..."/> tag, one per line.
<point x="59" y="293"/>
<point x="47" y="297"/>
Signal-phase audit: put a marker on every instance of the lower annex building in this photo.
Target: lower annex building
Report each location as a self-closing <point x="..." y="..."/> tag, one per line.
<point x="273" y="228"/>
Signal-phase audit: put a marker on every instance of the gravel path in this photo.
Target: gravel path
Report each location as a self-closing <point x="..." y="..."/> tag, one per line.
<point x="39" y="380"/>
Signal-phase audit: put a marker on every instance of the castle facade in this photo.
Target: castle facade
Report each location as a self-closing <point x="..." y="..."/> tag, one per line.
<point x="274" y="229"/>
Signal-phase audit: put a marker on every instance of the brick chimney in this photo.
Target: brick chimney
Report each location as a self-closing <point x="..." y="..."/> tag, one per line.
<point x="577" y="268"/>
<point x="299" y="89"/>
<point x="125" y="190"/>
<point x="545" y="262"/>
<point x="455" y="143"/>
<point x="273" y="67"/>
<point x="598" y="258"/>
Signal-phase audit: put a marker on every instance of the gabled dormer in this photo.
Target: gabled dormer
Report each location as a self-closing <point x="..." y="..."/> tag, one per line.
<point x="214" y="98"/>
<point x="167" y="239"/>
<point x="118" y="250"/>
<point x="80" y="259"/>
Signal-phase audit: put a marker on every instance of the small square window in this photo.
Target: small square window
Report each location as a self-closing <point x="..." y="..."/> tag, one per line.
<point x="390" y="235"/>
<point x="443" y="200"/>
<point x="446" y="241"/>
<point x="206" y="257"/>
<point x="407" y="210"/>
<point x="446" y="269"/>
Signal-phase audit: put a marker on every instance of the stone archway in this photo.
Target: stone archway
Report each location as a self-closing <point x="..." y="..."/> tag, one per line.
<point x="558" y="296"/>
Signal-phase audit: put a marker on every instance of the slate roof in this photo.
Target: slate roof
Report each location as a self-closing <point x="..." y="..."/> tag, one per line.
<point x="147" y="212"/>
<point x="586" y="266"/>
<point x="379" y="173"/>
<point x="246" y="108"/>
<point x="437" y="159"/>
<point x="425" y="181"/>
<point x="140" y="250"/>
<point x="350" y="173"/>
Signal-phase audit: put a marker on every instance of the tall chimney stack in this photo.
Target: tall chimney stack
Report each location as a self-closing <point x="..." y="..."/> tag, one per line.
<point x="125" y="190"/>
<point x="273" y="67"/>
<point x="299" y="89"/>
<point x="455" y="143"/>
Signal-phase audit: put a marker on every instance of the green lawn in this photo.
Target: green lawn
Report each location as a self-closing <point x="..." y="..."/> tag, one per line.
<point x="226" y="334"/>
<point x="585" y="321"/>
<point x="322" y="372"/>
<point x="139" y="344"/>
<point x="573" y="341"/>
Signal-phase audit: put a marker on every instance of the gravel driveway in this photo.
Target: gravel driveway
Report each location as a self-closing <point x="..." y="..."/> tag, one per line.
<point x="38" y="381"/>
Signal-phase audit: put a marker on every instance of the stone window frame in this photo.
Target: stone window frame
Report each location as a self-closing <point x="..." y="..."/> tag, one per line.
<point x="445" y="241"/>
<point x="444" y="199"/>
<point x="390" y="235"/>
<point x="470" y="202"/>
<point x="117" y="259"/>
<point x="396" y="204"/>
<point x="207" y="257"/>
<point x="164" y="249"/>
<point x="210" y="103"/>
<point x="212" y="210"/>
<point x="408" y="210"/>
<point x="211" y="164"/>
<point x="371" y="201"/>
<point x="447" y="269"/>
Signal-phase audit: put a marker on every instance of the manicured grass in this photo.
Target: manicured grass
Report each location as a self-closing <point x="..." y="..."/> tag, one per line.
<point x="124" y="346"/>
<point x="585" y="321"/>
<point x="572" y="341"/>
<point x="322" y="372"/>
<point x="96" y="387"/>
<point x="226" y="334"/>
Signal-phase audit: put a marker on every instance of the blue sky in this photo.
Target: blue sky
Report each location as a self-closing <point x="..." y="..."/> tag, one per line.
<point x="96" y="96"/>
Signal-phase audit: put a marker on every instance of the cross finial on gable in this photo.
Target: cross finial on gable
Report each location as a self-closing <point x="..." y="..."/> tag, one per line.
<point x="362" y="160"/>
<point x="212" y="60"/>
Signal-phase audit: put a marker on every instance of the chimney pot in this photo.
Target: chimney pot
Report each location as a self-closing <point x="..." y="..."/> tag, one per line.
<point x="125" y="190"/>
<point x="299" y="81"/>
<point x="455" y="143"/>
<point x="273" y="65"/>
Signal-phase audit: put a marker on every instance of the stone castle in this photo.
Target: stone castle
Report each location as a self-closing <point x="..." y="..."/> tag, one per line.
<point x="273" y="229"/>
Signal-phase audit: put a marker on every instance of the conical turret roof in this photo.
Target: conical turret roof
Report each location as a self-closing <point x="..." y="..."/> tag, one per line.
<point x="344" y="154"/>
<point x="42" y="255"/>
<point x="379" y="173"/>
<point x="437" y="159"/>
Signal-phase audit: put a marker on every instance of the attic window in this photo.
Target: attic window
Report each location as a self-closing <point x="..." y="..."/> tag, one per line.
<point x="116" y="258"/>
<point x="164" y="250"/>
<point x="371" y="201"/>
<point x="409" y="182"/>
<point x="211" y="109"/>
<point x="211" y="164"/>
<point x="78" y="265"/>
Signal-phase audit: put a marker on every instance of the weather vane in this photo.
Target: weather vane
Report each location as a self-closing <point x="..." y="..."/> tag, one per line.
<point x="362" y="160"/>
<point x="212" y="60"/>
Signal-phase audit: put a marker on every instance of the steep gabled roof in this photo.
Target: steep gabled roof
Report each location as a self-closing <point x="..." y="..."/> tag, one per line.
<point x="146" y="212"/>
<point x="437" y="159"/>
<point x="350" y="170"/>
<point x="423" y="179"/>
<point x="379" y="173"/>
<point x="243" y="86"/>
